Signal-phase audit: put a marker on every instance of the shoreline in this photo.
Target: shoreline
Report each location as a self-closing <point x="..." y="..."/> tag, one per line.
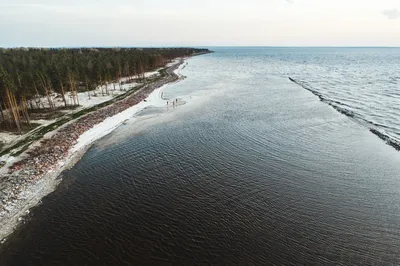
<point x="25" y="184"/>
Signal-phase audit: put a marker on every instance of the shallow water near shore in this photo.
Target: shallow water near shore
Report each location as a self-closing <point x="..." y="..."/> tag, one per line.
<point x="253" y="169"/>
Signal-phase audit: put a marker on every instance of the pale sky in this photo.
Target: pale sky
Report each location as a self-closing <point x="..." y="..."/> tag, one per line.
<point x="199" y="23"/>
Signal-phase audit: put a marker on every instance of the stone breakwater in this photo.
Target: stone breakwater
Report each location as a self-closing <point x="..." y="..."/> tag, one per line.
<point x="48" y="155"/>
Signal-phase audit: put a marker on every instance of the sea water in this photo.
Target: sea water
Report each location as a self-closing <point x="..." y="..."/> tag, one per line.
<point x="253" y="168"/>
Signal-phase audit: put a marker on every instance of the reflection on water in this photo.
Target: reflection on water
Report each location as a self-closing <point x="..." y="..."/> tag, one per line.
<point x="253" y="169"/>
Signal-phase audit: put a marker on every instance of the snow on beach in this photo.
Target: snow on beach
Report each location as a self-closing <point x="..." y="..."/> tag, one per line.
<point x="98" y="95"/>
<point x="179" y="69"/>
<point x="6" y="137"/>
<point x="114" y="89"/>
<point x="86" y="100"/>
<point x="94" y="97"/>
<point x="108" y="125"/>
<point x="24" y="195"/>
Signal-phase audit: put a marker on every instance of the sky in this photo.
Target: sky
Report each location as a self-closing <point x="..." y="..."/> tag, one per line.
<point x="71" y="23"/>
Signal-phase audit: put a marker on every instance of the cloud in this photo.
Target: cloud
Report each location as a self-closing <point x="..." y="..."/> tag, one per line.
<point x="391" y="13"/>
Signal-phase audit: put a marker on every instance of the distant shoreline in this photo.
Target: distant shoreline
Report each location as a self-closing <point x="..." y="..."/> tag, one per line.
<point x="22" y="188"/>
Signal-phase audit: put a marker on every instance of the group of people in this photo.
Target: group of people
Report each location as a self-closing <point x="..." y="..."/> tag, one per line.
<point x="174" y="102"/>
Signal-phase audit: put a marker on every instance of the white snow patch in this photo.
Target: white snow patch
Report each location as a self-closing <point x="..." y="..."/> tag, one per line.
<point x="152" y="73"/>
<point x="8" y="137"/>
<point x="173" y="62"/>
<point x="43" y="121"/>
<point x="109" y="124"/>
<point x="179" y="69"/>
<point x="97" y="95"/>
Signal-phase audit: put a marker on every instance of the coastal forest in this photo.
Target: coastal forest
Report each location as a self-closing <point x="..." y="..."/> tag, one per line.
<point x="31" y="78"/>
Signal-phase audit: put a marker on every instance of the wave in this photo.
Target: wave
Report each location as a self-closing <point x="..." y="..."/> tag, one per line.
<point x="372" y="126"/>
<point x="389" y="141"/>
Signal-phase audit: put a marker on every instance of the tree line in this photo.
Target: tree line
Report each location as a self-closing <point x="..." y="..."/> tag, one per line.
<point x="30" y="77"/>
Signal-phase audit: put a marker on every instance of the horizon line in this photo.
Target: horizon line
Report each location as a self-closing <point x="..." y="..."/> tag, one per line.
<point x="205" y="46"/>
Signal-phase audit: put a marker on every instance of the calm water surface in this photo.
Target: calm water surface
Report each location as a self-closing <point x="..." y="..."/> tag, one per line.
<point x="253" y="169"/>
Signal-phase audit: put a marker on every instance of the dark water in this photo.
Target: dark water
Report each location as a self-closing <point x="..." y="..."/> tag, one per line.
<point x="252" y="170"/>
